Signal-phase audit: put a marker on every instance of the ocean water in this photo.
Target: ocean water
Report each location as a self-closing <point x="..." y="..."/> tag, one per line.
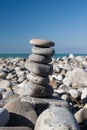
<point x="27" y="55"/>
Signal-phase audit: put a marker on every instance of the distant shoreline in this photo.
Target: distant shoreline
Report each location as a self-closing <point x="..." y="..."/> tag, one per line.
<point x="26" y="55"/>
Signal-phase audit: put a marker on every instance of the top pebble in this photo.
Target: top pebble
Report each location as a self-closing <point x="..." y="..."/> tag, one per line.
<point x="42" y="43"/>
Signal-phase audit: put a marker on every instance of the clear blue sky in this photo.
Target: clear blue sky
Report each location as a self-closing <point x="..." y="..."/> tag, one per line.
<point x="62" y="21"/>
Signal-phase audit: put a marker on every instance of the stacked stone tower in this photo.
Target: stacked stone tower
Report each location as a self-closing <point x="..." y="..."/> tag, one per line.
<point x="40" y="69"/>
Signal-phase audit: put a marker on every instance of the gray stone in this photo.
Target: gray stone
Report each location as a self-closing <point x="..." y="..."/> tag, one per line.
<point x="11" y="97"/>
<point x="10" y="76"/>
<point x="56" y="118"/>
<point x="21" y="114"/>
<point x="1" y="92"/>
<point x="38" y="79"/>
<point x="2" y="74"/>
<point x="43" y="51"/>
<point x="21" y="78"/>
<point x="36" y="90"/>
<point x="44" y="101"/>
<point x="39" y="58"/>
<point x="7" y="94"/>
<point x="5" y="84"/>
<point x="40" y="42"/>
<point x="4" y="116"/>
<point x="39" y="69"/>
<point x="15" y="128"/>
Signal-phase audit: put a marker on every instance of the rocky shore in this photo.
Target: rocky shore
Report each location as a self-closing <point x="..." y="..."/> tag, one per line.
<point x="69" y="81"/>
<point x="41" y="92"/>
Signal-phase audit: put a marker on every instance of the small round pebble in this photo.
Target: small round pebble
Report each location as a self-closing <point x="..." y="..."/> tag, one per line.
<point x="4" y="116"/>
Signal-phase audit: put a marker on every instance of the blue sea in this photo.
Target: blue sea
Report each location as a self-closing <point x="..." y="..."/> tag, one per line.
<point x="26" y="55"/>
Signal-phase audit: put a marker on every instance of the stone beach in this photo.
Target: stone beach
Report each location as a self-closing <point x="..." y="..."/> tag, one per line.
<point x="42" y="92"/>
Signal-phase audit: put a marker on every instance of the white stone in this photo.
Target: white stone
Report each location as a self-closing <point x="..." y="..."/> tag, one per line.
<point x="74" y="93"/>
<point x="71" y="56"/>
<point x="77" y="75"/>
<point x="84" y="95"/>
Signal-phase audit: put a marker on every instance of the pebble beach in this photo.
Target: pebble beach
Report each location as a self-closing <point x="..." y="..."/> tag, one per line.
<point x="68" y="79"/>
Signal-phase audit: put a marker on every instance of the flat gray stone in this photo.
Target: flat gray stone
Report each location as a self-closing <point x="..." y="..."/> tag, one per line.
<point x="40" y="42"/>
<point x="39" y="58"/>
<point x="56" y="118"/>
<point x="15" y="128"/>
<point x="39" y="69"/>
<point x="38" y="79"/>
<point x="36" y="90"/>
<point x="43" y="51"/>
<point x="4" y="116"/>
<point x="21" y="114"/>
<point x="40" y="104"/>
<point x="44" y="101"/>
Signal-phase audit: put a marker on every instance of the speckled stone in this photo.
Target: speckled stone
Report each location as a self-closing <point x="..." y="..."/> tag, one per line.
<point x="40" y="59"/>
<point x="43" y="51"/>
<point x="56" y="118"/>
<point x="42" y="43"/>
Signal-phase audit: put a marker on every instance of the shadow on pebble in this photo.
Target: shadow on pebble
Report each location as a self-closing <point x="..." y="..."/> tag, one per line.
<point x="19" y="120"/>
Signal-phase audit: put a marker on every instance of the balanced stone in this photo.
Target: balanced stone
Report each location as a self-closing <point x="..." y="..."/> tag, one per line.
<point x="39" y="69"/>
<point x="40" y="42"/>
<point x="40" y="59"/>
<point x="36" y="90"/>
<point x="43" y="51"/>
<point x="38" y="79"/>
